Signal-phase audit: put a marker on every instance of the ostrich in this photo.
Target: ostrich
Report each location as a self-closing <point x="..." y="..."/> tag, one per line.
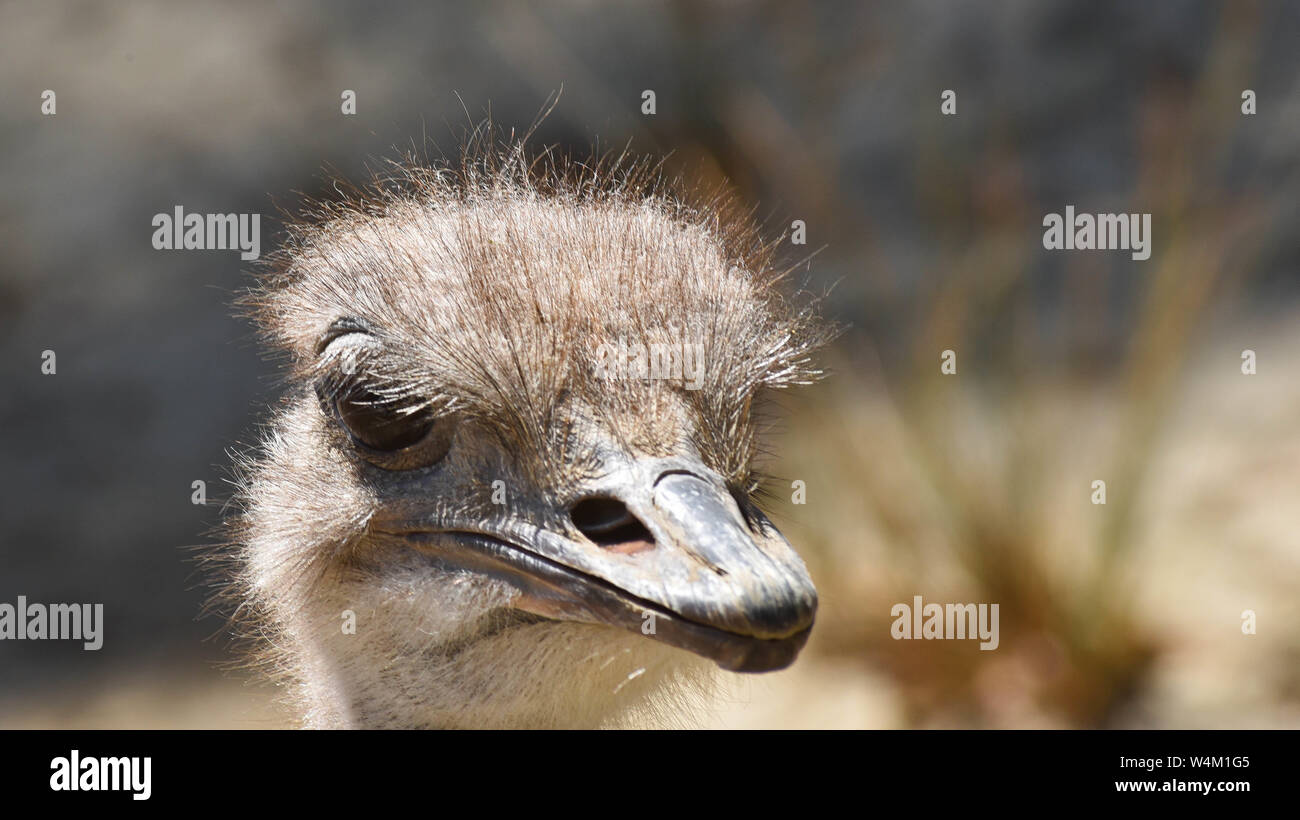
<point x="491" y="497"/>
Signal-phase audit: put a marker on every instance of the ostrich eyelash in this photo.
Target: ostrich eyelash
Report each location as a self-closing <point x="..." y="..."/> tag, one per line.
<point x="342" y="327"/>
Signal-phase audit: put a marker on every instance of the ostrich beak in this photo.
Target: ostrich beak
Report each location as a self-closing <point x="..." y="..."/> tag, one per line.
<point x="672" y="557"/>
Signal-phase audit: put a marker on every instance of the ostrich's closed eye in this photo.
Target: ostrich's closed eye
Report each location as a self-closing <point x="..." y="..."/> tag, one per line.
<point x="392" y="435"/>
<point x="380" y="424"/>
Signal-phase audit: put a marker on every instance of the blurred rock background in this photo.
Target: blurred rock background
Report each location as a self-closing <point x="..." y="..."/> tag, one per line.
<point x="975" y="487"/>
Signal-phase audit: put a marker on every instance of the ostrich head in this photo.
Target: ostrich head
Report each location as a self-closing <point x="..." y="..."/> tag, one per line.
<point x="512" y="483"/>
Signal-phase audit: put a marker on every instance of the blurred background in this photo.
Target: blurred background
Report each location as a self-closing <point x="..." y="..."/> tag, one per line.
<point x="977" y="487"/>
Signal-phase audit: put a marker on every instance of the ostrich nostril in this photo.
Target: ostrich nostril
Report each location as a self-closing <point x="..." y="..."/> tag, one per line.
<point x="608" y="523"/>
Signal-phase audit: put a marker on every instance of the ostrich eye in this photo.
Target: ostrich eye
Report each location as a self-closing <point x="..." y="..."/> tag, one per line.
<point x="380" y="424"/>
